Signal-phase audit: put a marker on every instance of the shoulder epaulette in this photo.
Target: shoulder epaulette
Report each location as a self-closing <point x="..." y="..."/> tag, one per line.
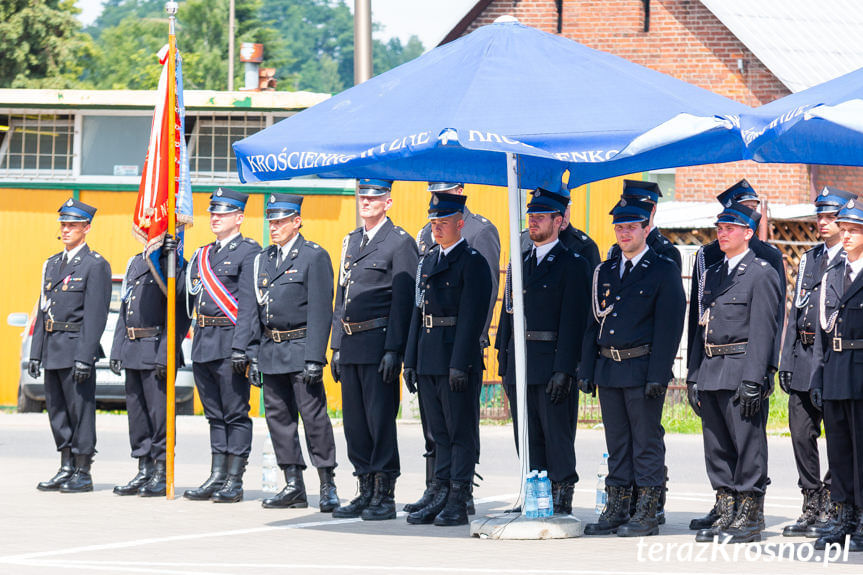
<point x="312" y="244"/>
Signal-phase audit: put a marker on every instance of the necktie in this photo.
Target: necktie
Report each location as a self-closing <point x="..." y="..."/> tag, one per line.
<point x="280" y="258"/>
<point x="217" y="247"/>
<point x="365" y="242"/>
<point x="63" y="262"/>
<point x="531" y="262"/>
<point x="627" y="267"/>
<point x="723" y="273"/>
<point x="848" y="279"/>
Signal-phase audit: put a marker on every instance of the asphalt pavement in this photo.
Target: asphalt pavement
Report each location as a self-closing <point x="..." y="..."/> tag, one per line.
<point x="99" y="532"/>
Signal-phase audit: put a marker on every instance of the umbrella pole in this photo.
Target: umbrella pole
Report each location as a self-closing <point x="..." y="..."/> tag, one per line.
<point x="518" y="317"/>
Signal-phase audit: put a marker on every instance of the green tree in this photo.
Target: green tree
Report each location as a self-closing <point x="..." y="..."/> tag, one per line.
<point x="41" y="44"/>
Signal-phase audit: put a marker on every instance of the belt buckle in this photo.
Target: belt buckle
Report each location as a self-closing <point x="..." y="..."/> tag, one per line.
<point x="615" y="354"/>
<point x="276" y="336"/>
<point x="346" y="327"/>
<point x="200" y="321"/>
<point x="428" y="321"/>
<point x="837" y="344"/>
<point x="130" y="333"/>
<point x="708" y="349"/>
<point x="49" y="325"/>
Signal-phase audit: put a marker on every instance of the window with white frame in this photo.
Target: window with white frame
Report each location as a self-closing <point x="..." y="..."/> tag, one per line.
<point x="210" y="138"/>
<point x="36" y="144"/>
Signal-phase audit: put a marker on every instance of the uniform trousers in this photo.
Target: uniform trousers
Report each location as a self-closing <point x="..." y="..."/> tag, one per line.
<point x="843" y="423"/>
<point x="804" y="422"/>
<point x="286" y="399"/>
<point x="225" y="397"/>
<point x="551" y="436"/>
<point x="71" y="410"/>
<point x="146" y="408"/>
<point x="633" y="436"/>
<point x="451" y="417"/>
<point x="735" y="448"/>
<point x="369" y="408"/>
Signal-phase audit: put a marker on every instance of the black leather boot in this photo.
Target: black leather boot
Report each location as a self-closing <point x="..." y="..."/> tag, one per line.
<point x="145" y="469"/>
<point x="660" y="505"/>
<point x="726" y="506"/>
<point x="428" y="494"/>
<point x="811" y="504"/>
<point x="747" y="524"/>
<point x="846" y="524"/>
<point x="67" y="468"/>
<point x="616" y="511"/>
<point x="708" y="520"/>
<point x="329" y="500"/>
<point x="382" y="504"/>
<point x="232" y="490"/>
<point x="218" y="474"/>
<point x="856" y="542"/>
<point x="155" y="486"/>
<point x="80" y="481"/>
<point x="293" y="496"/>
<point x="361" y="501"/>
<point x="471" y="506"/>
<point x="561" y="496"/>
<point x="644" y="523"/>
<point x="828" y="513"/>
<point x="427" y="514"/>
<point x="455" y="510"/>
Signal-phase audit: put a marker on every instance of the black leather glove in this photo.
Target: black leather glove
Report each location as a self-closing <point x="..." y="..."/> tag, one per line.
<point x="34" y="368"/>
<point x="254" y="375"/>
<point x="457" y="380"/>
<point x="411" y="379"/>
<point x="169" y="245"/>
<point x="390" y="365"/>
<point x="81" y="372"/>
<point x="692" y="396"/>
<point x="239" y="362"/>
<point x="335" y="368"/>
<point x="815" y="396"/>
<point x="749" y="394"/>
<point x="559" y="387"/>
<point x="116" y="366"/>
<point x="652" y="390"/>
<point x="313" y="374"/>
<point x="785" y="381"/>
<point x="161" y="371"/>
<point x="587" y="386"/>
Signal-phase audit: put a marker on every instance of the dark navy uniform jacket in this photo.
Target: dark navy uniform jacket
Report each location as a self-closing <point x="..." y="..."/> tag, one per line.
<point x="744" y="307"/>
<point x="297" y="294"/>
<point x="82" y="295"/>
<point x="482" y="236"/>
<point x="659" y="244"/>
<point x="803" y="317"/>
<point x="375" y="282"/>
<point x="710" y="254"/>
<point x="233" y="266"/>
<point x="144" y="305"/>
<point x="839" y="374"/>
<point x="575" y="241"/>
<point x="457" y="286"/>
<point x="648" y="307"/>
<point x="556" y="298"/>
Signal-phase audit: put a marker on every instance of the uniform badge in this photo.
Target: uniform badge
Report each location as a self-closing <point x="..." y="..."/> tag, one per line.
<point x="232" y="246"/>
<point x="219" y="192"/>
<point x="623" y="202"/>
<point x="264" y="282"/>
<point x="292" y="271"/>
<point x="48" y="286"/>
<point x="70" y="203"/>
<point x="272" y="199"/>
<point x="728" y="204"/>
<point x="850" y="204"/>
<point x="824" y="192"/>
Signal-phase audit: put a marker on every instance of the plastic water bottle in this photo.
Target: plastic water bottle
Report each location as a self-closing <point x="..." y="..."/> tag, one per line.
<point x="531" y="510"/>
<point x="543" y="495"/>
<point x="601" y="474"/>
<point x="269" y="468"/>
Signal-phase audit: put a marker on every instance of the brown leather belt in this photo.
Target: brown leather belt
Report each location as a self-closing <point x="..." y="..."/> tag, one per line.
<point x="840" y="344"/>
<point x="439" y="321"/>
<point x="540" y="335"/>
<point x="134" y="333"/>
<point x="358" y="326"/>
<point x="51" y="325"/>
<point x="807" y="338"/>
<point x="210" y="320"/>
<point x="621" y="354"/>
<point x="725" y="349"/>
<point x="280" y="336"/>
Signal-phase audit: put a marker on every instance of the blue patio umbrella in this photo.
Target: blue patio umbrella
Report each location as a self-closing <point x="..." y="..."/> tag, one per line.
<point x="820" y="125"/>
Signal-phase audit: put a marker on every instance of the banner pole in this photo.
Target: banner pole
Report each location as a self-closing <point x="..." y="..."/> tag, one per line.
<point x="171" y="323"/>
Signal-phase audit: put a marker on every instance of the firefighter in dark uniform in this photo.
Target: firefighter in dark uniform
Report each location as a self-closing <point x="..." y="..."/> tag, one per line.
<point x="728" y="380"/>
<point x="73" y="309"/>
<point x="649" y="192"/>
<point x="444" y="356"/>
<point x="141" y="348"/>
<point x="220" y="285"/>
<point x="837" y="379"/>
<point x="743" y="193"/>
<point x="481" y="235"/>
<point x="795" y="367"/>
<point x="374" y="301"/>
<point x="638" y="312"/>
<point x="294" y="292"/>
<point x="556" y="295"/>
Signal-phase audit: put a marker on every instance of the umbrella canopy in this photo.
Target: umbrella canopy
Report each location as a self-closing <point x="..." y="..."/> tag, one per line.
<point x="820" y="125"/>
<point x="506" y="87"/>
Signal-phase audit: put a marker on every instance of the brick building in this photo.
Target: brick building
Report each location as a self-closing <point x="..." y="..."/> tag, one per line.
<point x="735" y="48"/>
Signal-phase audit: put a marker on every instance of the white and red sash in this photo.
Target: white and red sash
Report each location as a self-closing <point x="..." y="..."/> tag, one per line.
<point x="217" y="290"/>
